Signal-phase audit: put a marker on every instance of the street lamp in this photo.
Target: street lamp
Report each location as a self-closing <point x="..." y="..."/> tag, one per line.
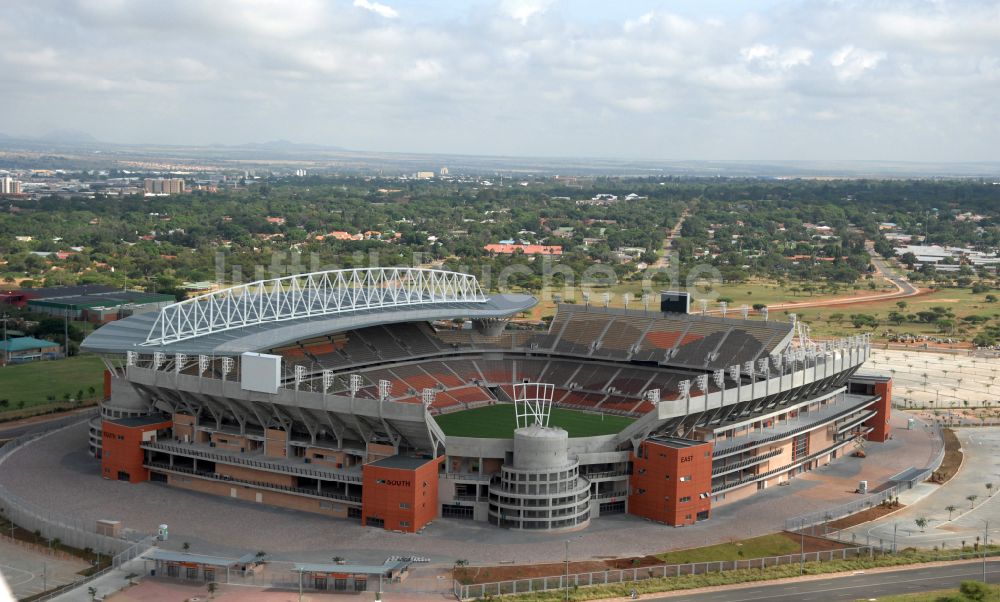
<point x="566" y="573"/>
<point x="894" y="527"/>
<point x="986" y="534"/>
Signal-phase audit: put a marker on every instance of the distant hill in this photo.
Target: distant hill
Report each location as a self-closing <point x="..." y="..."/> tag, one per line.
<point x="68" y="136"/>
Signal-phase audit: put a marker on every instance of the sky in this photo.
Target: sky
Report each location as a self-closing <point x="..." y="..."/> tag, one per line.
<point x="888" y="80"/>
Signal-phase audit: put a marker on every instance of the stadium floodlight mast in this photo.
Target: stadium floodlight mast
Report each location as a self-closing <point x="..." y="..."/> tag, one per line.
<point x="745" y="311"/>
<point x="684" y="392"/>
<point x="131" y="357"/>
<point x="626" y="299"/>
<point x="723" y="306"/>
<point x="300" y="375"/>
<point x="704" y="306"/>
<point x="427" y="397"/>
<point x="702" y="381"/>
<point x="646" y="298"/>
<point x="202" y="364"/>
<point x="158" y="358"/>
<point x="354" y="384"/>
<point x="227" y="366"/>
<point x="327" y="379"/>
<point x="384" y="389"/>
<point x="607" y="299"/>
<point x="734" y="375"/>
<point x="532" y="404"/>
<point x="653" y="397"/>
<point x="586" y="299"/>
<point x="763" y="313"/>
<point x="179" y="360"/>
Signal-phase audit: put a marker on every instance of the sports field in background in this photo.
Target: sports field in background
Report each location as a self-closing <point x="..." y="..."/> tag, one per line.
<point x="497" y="421"/>
<point x="35" y="382"/>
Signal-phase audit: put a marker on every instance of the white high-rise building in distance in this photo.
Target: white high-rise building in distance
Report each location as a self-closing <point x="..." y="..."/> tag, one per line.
<point x="9" y="185"/>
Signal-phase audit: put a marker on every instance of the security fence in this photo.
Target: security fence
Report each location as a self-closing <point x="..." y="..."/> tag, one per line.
<point x="616" y="576"/>
<point x="69" y="530"/>
<point x="613" y="576"/>
<point x="118" y="562"/>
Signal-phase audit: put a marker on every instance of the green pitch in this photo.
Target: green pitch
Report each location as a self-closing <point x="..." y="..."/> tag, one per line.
<point x="497" y="422"/>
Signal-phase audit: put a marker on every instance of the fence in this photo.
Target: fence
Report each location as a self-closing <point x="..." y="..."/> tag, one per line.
<point x="823" y="516"/>
<point x="117" y="563"/>
<point x="615" y="576"/>
<point x="68" y="530"/>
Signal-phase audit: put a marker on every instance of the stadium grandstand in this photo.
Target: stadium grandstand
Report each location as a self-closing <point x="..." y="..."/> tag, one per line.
<point x="395" y="396"/>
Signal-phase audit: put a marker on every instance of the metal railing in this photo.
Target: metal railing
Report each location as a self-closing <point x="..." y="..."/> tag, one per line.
<point x="226" y="458"/>
<point x="252" y="483"/>
<point x="611" y="576"/>
<point x="117" y="563"/>
<point x="69" y="530"/>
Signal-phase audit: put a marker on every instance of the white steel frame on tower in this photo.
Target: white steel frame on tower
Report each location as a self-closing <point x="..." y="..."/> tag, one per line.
<point x="313" y="294"/>
<point x="532" y="403"/>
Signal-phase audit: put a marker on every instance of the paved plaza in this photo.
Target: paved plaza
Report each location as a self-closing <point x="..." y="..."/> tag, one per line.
<point x="981" y="465"/>
<point x="56" y="474"/>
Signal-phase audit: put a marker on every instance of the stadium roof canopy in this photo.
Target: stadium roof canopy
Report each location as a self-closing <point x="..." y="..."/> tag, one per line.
<point x="271" y="313"/>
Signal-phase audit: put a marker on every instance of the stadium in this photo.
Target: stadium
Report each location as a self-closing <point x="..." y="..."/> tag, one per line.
<point x="395" y="396"/>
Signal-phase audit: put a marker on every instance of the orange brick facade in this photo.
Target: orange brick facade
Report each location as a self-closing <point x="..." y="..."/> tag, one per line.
<point x="671" y="484"/>
<point x="883" y="411"/>
<point x="403" y="499"/>
<point x="121" y="455"/>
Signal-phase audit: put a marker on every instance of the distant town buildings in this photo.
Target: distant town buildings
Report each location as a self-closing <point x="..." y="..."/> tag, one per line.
<point x="164" y="186"/>
<point x="300" y="173"/>
<point x="9" y="185"/>
<point x="424" y="175"/>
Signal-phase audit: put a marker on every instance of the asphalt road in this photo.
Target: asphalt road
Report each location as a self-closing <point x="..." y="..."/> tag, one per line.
<point x="17" y="429"/>
<point x="890" y="274"/>
<point x="854" y="587"/>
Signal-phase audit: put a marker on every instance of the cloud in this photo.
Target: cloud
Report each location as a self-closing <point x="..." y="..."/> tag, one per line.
<point x="850" y="62"/>
<point x="913" y="78"/>
<point x="523" y="10"/>
<point x="378" y="8"/>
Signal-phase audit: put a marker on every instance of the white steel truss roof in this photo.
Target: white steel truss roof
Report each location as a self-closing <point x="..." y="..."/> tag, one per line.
<point x="314" y="294"/>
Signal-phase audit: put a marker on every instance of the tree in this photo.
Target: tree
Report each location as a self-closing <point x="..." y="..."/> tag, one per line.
<point x="975" y="590"/>
<point x="901" y="304"/>
<point x="972" y="500"/>
<point x="212" y="587"/>
<point x="989" y="489"/>
<point x="185" y="546"/>
<point x="92" y="592"/>
<point x="921" y="522"/>
<point x="950" y="510"/>
<point x="131" y="577"/>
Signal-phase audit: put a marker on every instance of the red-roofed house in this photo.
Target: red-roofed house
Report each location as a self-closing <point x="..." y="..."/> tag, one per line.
<point x="510" y="249"/>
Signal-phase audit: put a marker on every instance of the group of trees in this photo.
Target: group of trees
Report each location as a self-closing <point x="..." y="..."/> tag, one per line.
<point x="741" y="227"/>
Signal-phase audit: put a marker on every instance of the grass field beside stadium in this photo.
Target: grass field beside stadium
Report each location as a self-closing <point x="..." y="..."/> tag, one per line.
<point x="497" y="421"/>
<point x="34" y="383"/>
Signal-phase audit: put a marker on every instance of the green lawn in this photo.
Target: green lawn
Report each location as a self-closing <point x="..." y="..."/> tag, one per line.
<point x="497" y="421"/>
<point x="775" y="544"/>
<point x="33" y="383"/>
